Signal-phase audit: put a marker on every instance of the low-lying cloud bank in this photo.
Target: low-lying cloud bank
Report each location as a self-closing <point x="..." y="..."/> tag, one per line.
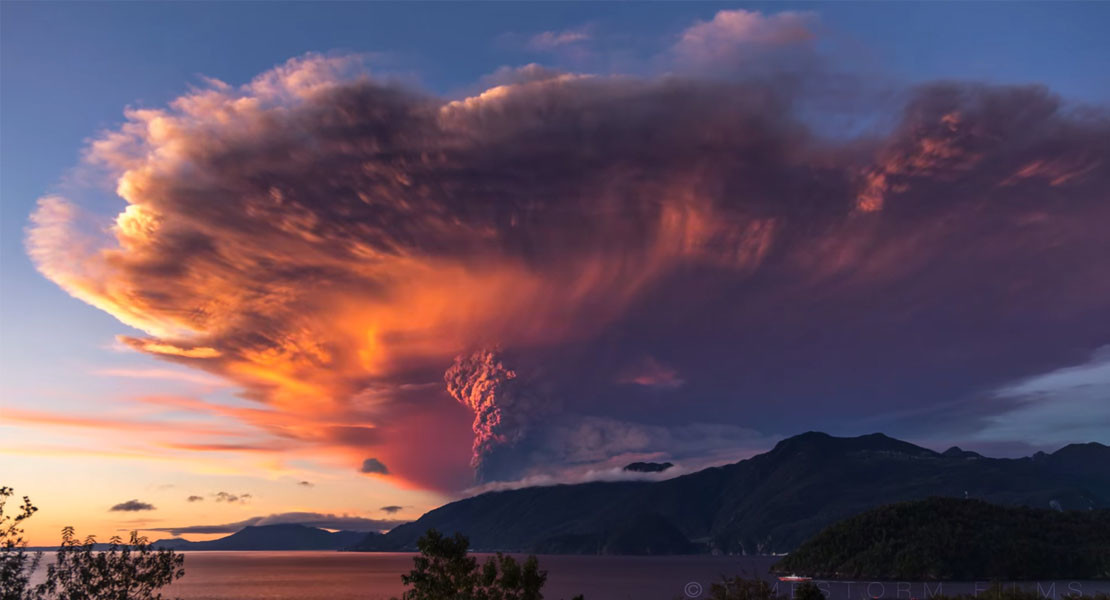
<point x="575" y="271"/>
<point x="309" y="519"/>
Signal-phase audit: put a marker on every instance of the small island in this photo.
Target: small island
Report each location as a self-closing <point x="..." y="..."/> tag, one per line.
<point x="958" y="540"/>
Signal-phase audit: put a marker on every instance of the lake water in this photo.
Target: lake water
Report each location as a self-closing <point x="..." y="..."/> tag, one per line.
<point x="377" y="576"/>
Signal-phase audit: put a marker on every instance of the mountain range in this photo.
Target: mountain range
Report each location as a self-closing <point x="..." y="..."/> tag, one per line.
<point x="271" y="537"/>
<point x="769" y="503"/>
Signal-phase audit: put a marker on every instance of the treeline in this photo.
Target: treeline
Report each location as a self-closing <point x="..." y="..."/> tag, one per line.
<point x="750" y="588"/>
<point x="958" y="540"/>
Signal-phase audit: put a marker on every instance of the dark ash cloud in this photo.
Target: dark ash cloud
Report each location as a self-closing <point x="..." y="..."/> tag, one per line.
<point x="132" y="506"/>
<point x="195" y="499"/>
<point x="666" y="266"/>
<point x="392" y="509"/>
<point x="505" y="405"/>
<point x="373" y="465"/>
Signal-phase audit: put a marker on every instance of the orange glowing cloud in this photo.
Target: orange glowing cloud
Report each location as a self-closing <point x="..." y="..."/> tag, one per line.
<point x="333" y="245"/>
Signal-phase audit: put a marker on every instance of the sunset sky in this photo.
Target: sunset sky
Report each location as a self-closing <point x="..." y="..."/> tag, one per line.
<point x="341" y="263"/>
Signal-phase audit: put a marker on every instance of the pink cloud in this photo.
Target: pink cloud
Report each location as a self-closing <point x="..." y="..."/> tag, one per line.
<point x="733" y="33"/>
<point x="553" y="40"/>
<point x="651" y="373"/>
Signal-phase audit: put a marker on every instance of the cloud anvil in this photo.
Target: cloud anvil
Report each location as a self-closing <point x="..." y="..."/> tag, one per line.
<point x="334" y="244"/>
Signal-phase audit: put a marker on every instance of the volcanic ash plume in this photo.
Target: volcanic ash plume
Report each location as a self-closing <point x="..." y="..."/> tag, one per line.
<point x="502" y="402"/>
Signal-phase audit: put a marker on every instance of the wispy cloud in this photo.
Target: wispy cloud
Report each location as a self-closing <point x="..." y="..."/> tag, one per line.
<point x="1061" y="406"/>
<point x="553" y="40"/>
<point x="651" y="373"/>
<point x="71" y="420"/>
<point x="164" y="374"/>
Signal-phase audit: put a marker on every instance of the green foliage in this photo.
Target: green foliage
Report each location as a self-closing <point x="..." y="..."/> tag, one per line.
<point x="131" y="571"/>
<point x="753" y="588"/>
<point x="16" y="564"/>
<point x="960" y="540"/>
<point x="444" y="571"/>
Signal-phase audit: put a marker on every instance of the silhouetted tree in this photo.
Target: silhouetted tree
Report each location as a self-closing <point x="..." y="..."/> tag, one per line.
<point x="131" y="571"/>
<point x="16" y="564"/>
<point x="444" y="571"/>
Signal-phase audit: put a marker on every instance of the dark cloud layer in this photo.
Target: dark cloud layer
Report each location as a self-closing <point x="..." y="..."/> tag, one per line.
<point x="132" y="506"/>
<point x="646" y="255"/>
<point x="373" y="465"/>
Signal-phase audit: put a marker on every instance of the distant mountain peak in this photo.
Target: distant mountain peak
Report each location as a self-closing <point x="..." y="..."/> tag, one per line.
<point x="803" y="440"/>
<point x="816" y="441"/>
<point x="1091" y="448"/>
<point x="957" y="452"/>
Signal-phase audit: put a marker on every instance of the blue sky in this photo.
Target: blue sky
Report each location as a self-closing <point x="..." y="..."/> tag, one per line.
<point x="67" y="71"/>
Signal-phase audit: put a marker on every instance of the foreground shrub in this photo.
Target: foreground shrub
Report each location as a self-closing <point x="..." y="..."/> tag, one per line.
<point x="131" y="571"/>
<point x="16" y="564"/>
<point x="123" y="571"/>
<point x="444" y="571"/>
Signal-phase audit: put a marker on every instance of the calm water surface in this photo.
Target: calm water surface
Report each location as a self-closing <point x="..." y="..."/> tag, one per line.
<point x="375" y="576"/>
